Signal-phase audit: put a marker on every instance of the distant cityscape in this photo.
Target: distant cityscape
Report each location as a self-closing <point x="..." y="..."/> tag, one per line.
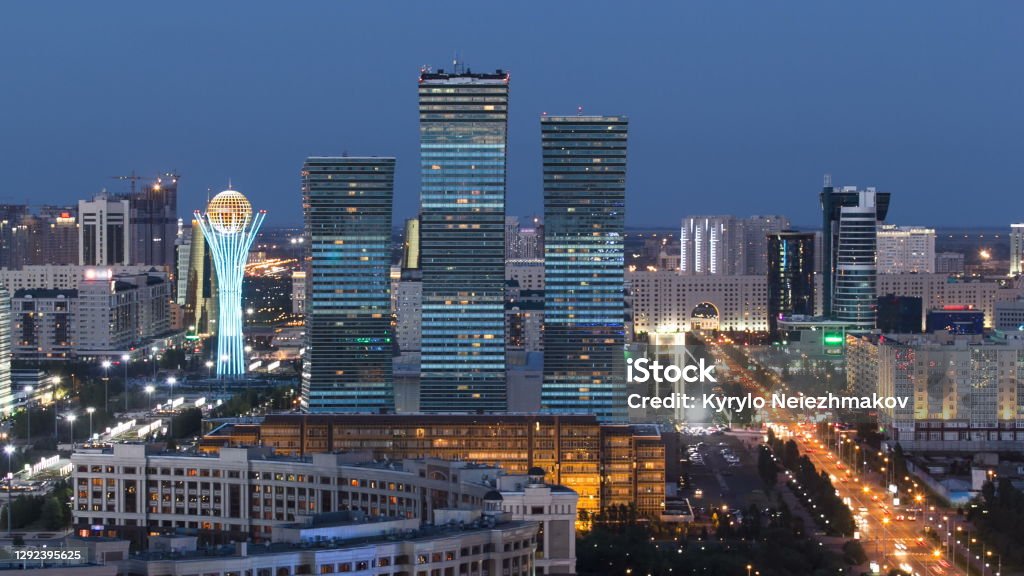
<point x="447" y="394"/>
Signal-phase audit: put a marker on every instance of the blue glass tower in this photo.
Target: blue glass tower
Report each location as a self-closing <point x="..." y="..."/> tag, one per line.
<point x="463" y="125"/>
<point x="349" y="327"/>
<point x="229" y="227"/>
<point x="584" y="211"/>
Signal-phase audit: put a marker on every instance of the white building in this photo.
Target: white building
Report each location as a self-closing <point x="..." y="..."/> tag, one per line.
<point x="6" y="395"/>
<point x="529" y="498"/>
<point x="905" y="249"/>
<point x="667" y="301"/>
<point x="1009" y="315"/>
<point x="408" y="313"/>
<point x="298" y="292"/>
<point x="712" y="245"/>
<point x="60" y="277"/>
<point x="529" y="273"/>
<point x="1016" y="249"/>
<point x="103" y="234"/>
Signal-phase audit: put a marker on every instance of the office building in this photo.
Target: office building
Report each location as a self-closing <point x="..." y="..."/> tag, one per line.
<point x="183" y="256"/>
<point x="104" y="231"/>
<point x="949" y="263"/>
<point x="349" y="327"/>
<point x="905" y="249"/>
<point x="899" y="314"/>
<point x="329" y="502"/>
<point x="1008" y="315"/>
<point x="523" y="242"/>
<point x="12" y="253"/>
<point x="59" y="236"/>
<point x="607" y="464"/>
<point x="298" y="292"/>
<point x="154" y="220"/>
<point x="790" y="276"/>
<point x="201" y="287"/>
<point x="43" y="323"/>
<point x="756" y="233"/>
<point x="940" y="290"/>
<point x="411" y="245"/>
<point x="409" y="313"/>
<point x="850" y="219"/>
<point x="463" y="138"/>
<point x="957" y="320"/>
<point x="1016" y="249"/>
<point x="229" y="227"/>
<point x="584" y="219"/>
<point x="527" y="274"/>
<point x="6" y="383"/>
<point x="60" y="277"/>
<point x="666" y="301"/>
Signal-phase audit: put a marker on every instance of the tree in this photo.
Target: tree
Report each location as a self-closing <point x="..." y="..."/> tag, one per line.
<point x="52" y="514"/>
<point x="766" y="468"/>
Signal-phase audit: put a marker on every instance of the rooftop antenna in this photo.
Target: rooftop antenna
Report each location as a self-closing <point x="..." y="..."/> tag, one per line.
<point x="229" y="183"/>
<point x="828" y="180"/>
<point x="579" y="110"/>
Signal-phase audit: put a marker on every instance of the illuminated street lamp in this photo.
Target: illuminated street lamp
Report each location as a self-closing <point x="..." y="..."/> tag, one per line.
<point x="106" y="385"/>
<point x="170" y="401"/>
<point x="126" y="358"/>
<point x="9" y="450"/>
<point x="71" y="428"/>
<point x="90" y="410"/>
<point x="28" y="413"/>
<point x="149" y="391"/>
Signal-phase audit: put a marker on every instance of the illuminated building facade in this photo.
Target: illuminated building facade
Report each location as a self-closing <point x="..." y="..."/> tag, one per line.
<point x="349" y="326"/>
<point x="666" y="301"/>
<point x="584" y="219"/>
<point x="104" y="231"/>
<point x="606" y="464"/>
<point x="1016" y="249"/>
<point x="463" y="136"/>
<point x="790" y="276"/>
<point x="229" y="227"/>
<point x="6" y="392"/>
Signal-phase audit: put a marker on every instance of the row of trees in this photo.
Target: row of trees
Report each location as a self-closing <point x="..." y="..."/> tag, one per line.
<point x="48" y="512"/>
<point x="830" y="513"/>
<point x="999" y="517"/>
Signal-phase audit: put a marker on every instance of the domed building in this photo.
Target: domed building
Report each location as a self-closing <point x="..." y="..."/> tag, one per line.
<point x="230" y="226"/>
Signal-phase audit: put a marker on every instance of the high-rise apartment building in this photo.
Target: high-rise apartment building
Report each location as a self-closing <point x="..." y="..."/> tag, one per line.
<point x="584" y="218"/>
<point x="850" y="220"/>
<point x="1016" y="249"/>
<point x="154" y="221"/>
<point x="727" y="245"/>
<point x="201" y="287"/>
<point x="790" y="276"/>
<point x="6" y="392"/>
<point x="949" y="263"/>
<point x="349" y="326"/>
<point x="906" y="249"/>
<point x="103" y="234"/>
<point x="463" y="137"/>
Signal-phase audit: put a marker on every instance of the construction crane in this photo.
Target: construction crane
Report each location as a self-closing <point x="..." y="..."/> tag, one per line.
<point x="131" y="178"/>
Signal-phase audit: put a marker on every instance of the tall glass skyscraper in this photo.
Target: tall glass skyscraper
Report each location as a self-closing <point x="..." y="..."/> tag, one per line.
<point x="584" y="215"/>
<point x="790" y="276"/>
<point x="463" y="136"/>
<point x="347" y="205"/>
<point x="850" y="253"/>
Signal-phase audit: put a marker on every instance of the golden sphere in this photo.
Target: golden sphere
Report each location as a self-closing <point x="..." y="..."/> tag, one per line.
<point x="229" y="212"/>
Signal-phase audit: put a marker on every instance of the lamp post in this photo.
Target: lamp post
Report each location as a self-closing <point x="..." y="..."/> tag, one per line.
<point x="106" y="385"/>
<point x="28" y="414"/>
<point x="71" y="429"/>
<point x="170" y="403"/>
<point x="9" y="450"/>
<point x="209" y="369"/>
<point x="125" y="358"/>
<point x="152" y="356"/>
<point x="149" y="391"/>
<point x="90" y="410"/>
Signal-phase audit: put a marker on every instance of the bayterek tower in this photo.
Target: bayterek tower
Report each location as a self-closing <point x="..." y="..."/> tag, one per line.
<point x="229" y="227"/>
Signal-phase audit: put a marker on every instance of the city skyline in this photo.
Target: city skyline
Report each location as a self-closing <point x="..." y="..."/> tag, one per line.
<point x="764" y="137"/>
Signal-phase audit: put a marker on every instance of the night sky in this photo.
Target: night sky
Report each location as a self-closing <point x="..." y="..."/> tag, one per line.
<point x="735" y="106"/>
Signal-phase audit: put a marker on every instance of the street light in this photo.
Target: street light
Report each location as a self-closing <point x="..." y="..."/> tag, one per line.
<point x="9" y="450"/>
<point x="90" y="410"/>
<point x="71" y="428"/>
<point x="149" y="390"/>
<point x="106" y="385"/>
<point x="126" y="358"/>
<point x="28" y="414"/>
<point x="170" y="403"/>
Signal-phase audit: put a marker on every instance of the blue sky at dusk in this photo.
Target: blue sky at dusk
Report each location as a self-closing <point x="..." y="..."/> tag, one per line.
<point x="735" y="107"/>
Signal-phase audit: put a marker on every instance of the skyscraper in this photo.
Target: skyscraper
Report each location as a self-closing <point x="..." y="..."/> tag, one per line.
<point x="790" y="275"/>
<point x="349" y="327"/>
<point x="709" y="245"/>
<point x="6" y="393"/>
<point x="463" y="137"/>
<point x="1016" y="249"/>
<point x="229" y="227"/>
<point x="201" y="287"/>
<point x="584" y="215"/>
<point x="154" y="221"/>
<point x="103" y="234"/>
<point x="850" y="220"/>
